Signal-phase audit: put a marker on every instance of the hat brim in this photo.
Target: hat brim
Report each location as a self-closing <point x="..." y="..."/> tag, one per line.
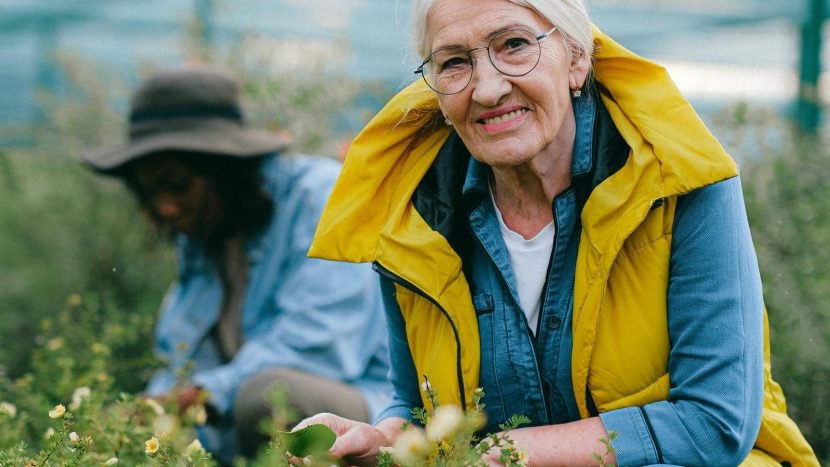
<point x="217" y="138"/>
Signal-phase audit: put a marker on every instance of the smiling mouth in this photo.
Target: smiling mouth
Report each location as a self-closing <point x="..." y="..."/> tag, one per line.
<point x="506" y="117"/>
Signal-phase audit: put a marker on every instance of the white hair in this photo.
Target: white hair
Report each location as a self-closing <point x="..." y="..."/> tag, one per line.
<point x="569" y="16"/>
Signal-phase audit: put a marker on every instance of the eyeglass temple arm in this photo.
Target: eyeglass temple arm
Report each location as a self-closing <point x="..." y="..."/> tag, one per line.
<point x="546" y="34"/>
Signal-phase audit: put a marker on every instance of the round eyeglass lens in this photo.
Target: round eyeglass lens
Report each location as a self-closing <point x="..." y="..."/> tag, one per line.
<point x="514" y="52"/>
<point x="448" y="71"/>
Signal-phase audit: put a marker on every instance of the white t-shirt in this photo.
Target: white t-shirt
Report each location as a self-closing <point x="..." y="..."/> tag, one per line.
<point x="529" y="260"/>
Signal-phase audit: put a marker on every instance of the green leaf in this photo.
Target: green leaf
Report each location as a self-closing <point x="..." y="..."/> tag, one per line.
<point x="313" y="439"/>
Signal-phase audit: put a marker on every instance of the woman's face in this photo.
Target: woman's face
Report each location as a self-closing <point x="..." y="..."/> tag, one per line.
<point x="505" y="121"/>
<point x="180" y="198"/>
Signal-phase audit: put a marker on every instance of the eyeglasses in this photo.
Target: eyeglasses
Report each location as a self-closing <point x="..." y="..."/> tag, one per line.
<point x="514" y="52"/>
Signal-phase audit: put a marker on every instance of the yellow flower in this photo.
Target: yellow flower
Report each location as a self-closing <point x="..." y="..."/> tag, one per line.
<point x="193" y="448"/>
<point x="78" y="396"/>
<point x="446" y="421"/>
<point x="55" y="344"/>
<point x="412" y="446"/>
<point x="151" y="446"/>
<point x="73" y="300"/>
<point x="111" y="461"/>
<point x="57" y="412"/>
<point x="8" y="408"/>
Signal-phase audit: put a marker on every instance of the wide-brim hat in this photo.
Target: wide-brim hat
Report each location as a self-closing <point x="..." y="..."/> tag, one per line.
<point x="188" y="109"/>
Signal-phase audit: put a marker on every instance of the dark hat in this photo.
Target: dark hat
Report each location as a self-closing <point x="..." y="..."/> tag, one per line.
<point x="194" y="109"/>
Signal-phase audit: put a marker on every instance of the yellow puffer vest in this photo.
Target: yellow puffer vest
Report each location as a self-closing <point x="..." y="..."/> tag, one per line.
<point x="370" y="218"/>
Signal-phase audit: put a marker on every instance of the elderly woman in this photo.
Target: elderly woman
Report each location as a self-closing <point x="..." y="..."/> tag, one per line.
<point x="579" y="250"/>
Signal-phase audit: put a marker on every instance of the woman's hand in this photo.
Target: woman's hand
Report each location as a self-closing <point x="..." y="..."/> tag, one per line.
<point x="188" y="396"/>
<point x="357" y="443"/>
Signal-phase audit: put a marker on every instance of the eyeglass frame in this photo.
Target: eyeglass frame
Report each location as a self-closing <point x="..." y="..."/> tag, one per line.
<point x="469" y="53"/>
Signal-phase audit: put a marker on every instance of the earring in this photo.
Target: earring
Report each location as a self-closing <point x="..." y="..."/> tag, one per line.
<point x="447" y="121"/>
<point x="576" y="92"/>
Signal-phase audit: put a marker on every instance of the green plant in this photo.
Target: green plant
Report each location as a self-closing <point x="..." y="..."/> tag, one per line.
<point x="786" y="179"/>
<point x="450" y="436"/>
<point x="71" y="411"/>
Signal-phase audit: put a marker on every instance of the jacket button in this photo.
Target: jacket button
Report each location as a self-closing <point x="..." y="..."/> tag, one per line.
<point x="554" y="322"/>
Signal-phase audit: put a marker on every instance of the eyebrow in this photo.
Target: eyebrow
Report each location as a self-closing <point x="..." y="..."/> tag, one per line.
<point x="489" y="36"/>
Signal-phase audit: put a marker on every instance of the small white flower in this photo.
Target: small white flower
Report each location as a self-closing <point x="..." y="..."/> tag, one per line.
<point x="8" y="408"/>
<point x="49" y="433"/>
<point x="73" y="437"/>
<point x="426" y="386"/>
<point x="164" y="424"/>
<point x="57" y="412"/>
<point x="446" y="420"/>
<point x="193" y="448"/>
<point x="153" y="404"/>
<point x="523" y="457"/>
<point x="111" y="461"/>
<point x="411" y="446"/>
<point x="198" y="413"/>
<point x="78" y="396"/>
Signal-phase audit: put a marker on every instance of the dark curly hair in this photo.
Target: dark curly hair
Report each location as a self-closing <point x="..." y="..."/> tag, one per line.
<point x="248" y="208"/>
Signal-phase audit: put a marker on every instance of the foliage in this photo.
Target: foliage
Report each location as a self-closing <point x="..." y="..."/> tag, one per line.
<point x="449" y="437"/>
<point x="70" y="411"/>
<point x="786" y="179"/>
<point x="63" y="230"/>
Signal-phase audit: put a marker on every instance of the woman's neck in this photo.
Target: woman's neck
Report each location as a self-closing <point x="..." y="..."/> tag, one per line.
<point x="524" y="194"/>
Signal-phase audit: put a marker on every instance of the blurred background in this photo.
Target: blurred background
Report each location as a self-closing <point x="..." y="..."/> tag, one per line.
<point x="319" y="69"/>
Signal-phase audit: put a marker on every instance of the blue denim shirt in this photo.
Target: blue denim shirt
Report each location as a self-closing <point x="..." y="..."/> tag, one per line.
<point x="714" y="282"/>
<point x="308" y="314"/>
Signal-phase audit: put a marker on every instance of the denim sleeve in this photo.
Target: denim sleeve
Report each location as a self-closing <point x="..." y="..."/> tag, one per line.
<point x="715" y="317"/>
<point x="326" y="317"/>
<point x="406" y="393"/>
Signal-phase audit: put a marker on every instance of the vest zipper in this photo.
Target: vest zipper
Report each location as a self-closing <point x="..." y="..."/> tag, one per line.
<point x="383" y="271"/>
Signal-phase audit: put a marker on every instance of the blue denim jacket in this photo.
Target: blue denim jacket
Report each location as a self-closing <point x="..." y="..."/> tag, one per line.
<point x="308" y="314"/>
<point x="531" y="375"/>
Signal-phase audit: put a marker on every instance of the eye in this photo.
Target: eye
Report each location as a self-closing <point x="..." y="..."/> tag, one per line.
<point x="178" y="185"/>
<point x="511" y="42"/>
<point x="446" y="61"/>
<point x="515" y="43"/>
<point x="452" y="63"/>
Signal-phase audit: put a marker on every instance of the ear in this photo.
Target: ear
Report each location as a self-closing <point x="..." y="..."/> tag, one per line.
<point x="578" y="72"/>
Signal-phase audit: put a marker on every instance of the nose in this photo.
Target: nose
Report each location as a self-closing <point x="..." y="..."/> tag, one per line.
<point x="167" y="207"/>
<point x="489" y="85"/>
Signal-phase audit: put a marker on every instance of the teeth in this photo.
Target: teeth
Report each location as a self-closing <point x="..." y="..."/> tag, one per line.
<point x="504" y="117"/>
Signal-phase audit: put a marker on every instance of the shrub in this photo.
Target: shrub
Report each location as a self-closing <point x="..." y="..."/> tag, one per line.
<point x="786" y="180"/>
